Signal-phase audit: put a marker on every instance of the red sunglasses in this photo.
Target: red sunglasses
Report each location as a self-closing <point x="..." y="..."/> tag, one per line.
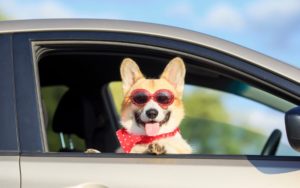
<point x="163" y="97"/>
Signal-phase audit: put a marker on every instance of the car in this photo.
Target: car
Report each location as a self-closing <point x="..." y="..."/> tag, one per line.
<point x="60" y="94"/>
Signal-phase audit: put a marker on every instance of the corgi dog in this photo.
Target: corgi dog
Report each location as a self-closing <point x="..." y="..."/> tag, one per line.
<point x="152" y="110"/>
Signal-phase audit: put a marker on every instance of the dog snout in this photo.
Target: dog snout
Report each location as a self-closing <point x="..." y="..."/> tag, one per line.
<point x="152" y="113"/>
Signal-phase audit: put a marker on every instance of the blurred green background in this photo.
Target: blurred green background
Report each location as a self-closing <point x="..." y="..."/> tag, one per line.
<point x="206" y="126"/>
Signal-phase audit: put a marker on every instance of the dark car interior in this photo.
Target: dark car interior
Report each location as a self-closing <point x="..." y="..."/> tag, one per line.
<point x="86" y="108"/>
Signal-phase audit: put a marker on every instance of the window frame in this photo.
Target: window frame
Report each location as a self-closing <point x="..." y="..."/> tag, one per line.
<point x="9" y="143"/>
<point x="29" y="107"/>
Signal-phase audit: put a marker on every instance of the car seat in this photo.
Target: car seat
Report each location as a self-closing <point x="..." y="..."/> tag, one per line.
<point x="82" y="112"/>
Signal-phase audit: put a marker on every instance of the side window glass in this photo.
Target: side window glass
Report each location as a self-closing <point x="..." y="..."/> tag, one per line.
<point x="218" y="122"/>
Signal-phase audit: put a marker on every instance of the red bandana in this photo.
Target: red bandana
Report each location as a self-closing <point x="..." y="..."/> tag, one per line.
<point x="128" y="140"/>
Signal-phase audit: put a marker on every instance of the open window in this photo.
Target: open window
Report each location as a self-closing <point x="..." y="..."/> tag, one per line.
<point x="226" y="112"/>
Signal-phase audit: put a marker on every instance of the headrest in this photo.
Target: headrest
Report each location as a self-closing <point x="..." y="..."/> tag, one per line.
<point x="81" y="112"/>
<point x="68" y="117"/>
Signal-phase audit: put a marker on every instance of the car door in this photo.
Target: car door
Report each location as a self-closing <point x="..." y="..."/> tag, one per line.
<point x="40" y="168"/>
<point x="9" y="149"/>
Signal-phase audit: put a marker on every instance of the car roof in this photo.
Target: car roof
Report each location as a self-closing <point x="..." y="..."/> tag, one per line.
<point x="254" y="57"/>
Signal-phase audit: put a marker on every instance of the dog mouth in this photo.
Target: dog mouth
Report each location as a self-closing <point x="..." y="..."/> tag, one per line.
<point x="151" y="127"/>
<point x="142" y="123"/>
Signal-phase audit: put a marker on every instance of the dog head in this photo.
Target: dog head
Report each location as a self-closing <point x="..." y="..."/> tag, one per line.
<point x="152" y="106"/>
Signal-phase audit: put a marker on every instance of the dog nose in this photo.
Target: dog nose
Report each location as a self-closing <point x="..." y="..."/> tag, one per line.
<point x="152" y="113"/>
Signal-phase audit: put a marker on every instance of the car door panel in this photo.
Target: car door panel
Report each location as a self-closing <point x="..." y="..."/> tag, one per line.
<point x="40" y="169"/>
<point x="9" y="149"/>
<point x="157" y="172"/>
<point x="9" y="171"/>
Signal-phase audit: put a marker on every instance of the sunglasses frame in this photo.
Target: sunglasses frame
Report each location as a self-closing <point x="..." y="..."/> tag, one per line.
<point x="152" y="96"/>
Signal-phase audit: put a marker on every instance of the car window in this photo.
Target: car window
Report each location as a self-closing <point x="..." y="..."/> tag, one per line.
<point x="218" y="122"/>
<point x="224" y="115"/>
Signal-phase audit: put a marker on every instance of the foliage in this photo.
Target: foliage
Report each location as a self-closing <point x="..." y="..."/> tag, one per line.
<point x="206" y="125"/>
<point x="117" y="93"/>
<point x="203" y="103"/>
<point x="2" y="16"/>
<point x="211" y="137"/>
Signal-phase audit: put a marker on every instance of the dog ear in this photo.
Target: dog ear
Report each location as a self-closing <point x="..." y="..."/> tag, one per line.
<point x="130" y="73"/>
<point x="175" y="73"/>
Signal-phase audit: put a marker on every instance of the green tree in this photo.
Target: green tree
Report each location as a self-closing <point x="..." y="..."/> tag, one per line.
<point x="206" y="125"/>
<point x="2" y="16"/>
<point x="208" y="129"/>
<point x="204" y="104"/>
<point x="117" y="93"/>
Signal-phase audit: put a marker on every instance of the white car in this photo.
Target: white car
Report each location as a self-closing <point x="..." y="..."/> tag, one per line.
<point x="59" y="95"/>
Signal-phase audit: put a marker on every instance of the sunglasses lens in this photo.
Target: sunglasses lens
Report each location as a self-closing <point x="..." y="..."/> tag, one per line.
<point x="140" y="98"/>
<point x="164" y="97"/>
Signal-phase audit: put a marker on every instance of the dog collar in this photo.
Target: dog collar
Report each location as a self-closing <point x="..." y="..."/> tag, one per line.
<point x="128" y="140"/>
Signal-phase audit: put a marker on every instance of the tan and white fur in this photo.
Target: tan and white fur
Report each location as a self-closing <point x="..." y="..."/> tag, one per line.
<point x="172" y="79"/>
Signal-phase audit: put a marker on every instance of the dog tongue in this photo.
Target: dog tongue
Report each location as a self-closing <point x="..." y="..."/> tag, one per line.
<point x="152" y="129"/>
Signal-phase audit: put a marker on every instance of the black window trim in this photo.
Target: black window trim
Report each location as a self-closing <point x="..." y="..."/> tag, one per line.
<point x="64" y="47"/>
<point x="26" y="41"/>
<point x="9" y="142"/>
<point x="209" y="62"/>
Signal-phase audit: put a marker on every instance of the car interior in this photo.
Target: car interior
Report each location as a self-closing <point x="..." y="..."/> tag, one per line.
<point x="86" y="108"/>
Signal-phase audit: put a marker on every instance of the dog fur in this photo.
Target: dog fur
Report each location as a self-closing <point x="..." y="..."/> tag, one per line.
<point x="172" y="79"/>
